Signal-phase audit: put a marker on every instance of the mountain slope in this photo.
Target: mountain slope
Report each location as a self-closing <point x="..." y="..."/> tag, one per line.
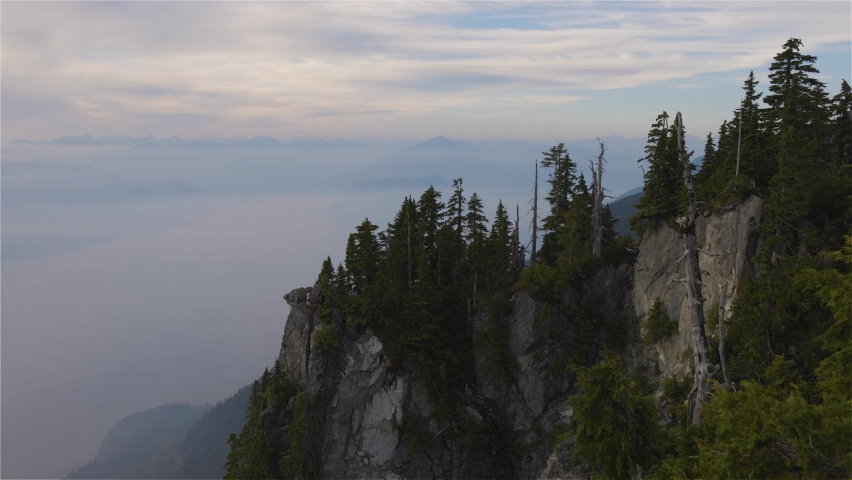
<point x="170" y="441"/>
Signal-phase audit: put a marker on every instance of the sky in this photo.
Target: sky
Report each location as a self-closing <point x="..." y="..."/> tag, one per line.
<point x="116" y="301"/>
<point x="475" y="70"/>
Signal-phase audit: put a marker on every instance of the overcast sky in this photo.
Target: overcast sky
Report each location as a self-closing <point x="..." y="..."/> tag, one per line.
<point x="466" y="70"/>
<point x="112" y="305"/>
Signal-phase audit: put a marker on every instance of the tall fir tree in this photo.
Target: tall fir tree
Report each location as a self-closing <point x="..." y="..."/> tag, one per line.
<point x="562" y="179"/>
<point x="499" y="259"/>
<point x="841" y="131"/>
<point x="576" y="234"/>
<point x="665" y="196"/>
<point x="798" y="115"/>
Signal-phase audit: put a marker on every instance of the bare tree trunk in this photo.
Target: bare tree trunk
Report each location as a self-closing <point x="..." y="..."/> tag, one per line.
<point x="516" y="237"/>
<point x="408" y="214"/>
<point x="535" y="217"/>
<point x="700" y="394"/>
<point x="739" y="140"/>
<point x="722" y="337"/>
<point x="597" y="223"/>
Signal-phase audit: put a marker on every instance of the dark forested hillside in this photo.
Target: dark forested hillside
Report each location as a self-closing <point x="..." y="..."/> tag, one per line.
<point x="622" y="210"/>
<point x="172" y="441"/>
<point x="135" y="447"/>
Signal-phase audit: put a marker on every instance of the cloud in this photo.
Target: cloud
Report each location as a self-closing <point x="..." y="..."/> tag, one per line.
<point x="294" y="63"/>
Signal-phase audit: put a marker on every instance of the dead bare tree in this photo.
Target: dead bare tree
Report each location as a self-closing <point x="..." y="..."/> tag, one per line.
<point x="597" y="183"/>
<point x="721" y="334"/>
<point x="534" y="222"/>
<point x="516" y="238"/>
<point x="701" y="390"/>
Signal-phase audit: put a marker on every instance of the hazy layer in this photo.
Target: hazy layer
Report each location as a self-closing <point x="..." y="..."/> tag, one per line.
<point x="133" y="279"/>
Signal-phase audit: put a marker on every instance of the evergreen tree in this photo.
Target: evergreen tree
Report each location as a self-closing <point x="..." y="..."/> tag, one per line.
<point x="477" y="232"/>
<point x="326" y="274"/>
<point x="499" y="249"/>
<point x="704" y="179"/>
<point x="618" y="427"/>
<point x="841" y="132"/>
<point x="452" y="233"/>
<point x="665" y="196"/>
<point x="431" y="211"/>
<point x="362" y="254"/>
<point x="576" y="235"/>
<point x="755" y="162"/>
<point x="798" y="113"/>
<point x="562" y="179"/>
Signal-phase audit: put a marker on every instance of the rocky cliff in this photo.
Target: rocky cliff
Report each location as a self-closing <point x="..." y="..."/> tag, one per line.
<point x="359" y="401"/>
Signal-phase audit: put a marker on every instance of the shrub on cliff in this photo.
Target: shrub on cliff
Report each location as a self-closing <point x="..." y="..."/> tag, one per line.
<point x="658" y="325"/>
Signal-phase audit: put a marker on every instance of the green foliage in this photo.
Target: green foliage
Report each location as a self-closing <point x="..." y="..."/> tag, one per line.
<point x="658" y="325"/>
<point x="833" y="286"/>
<point x="664" y="194"/>
<point x="772" y="314"/>
<point x="414" y="433"/>
<point x="676" y="391"/>
<point x="296" y="462"/>
<point x="760" y="433"/>
<point x="562" y="179"/>
<point x="617" y="424"/>
<point x="560" y="432"/>
<point x="543" y="281"/>
<point x="326" y="339"/>
<point x="251" y="454"/>
<point x="278" y="389"/>
<point x="493" y="341"/>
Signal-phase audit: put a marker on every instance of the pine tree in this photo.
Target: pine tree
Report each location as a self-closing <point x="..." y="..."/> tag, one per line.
<point x="664" y="198"/>
<point x="705" y="179"/>
<point x="452" y="233"/>
<point x="841" y="132"/>
<point x="798" y="113"/>
<point x="326" y="274"/>
<point x="477" y="230"/>
<point x="755" y="161"/>
<point x="431" y="211"/>
<point x="363" y="254"/>
<point x="499" y="249"/>
<point x="576" y="235"/>
<point x="562" y="179"/>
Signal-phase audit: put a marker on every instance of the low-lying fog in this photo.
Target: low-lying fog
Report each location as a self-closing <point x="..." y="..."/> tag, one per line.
<point x="133" y="277"/>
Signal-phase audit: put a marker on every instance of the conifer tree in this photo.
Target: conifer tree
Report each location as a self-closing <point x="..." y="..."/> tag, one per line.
<point x="841" y="132"/>
<point x="705" y="179"/>
<point x="664" y="198"/>
<point x="576" y="235"/>
<point x="431" y="215"/>
<point x="798" y="113"/>
<point x="453" y="232"/>
<point x="326" y="274"/>
<point x="477" y="229"/>
<point x="499" y="249"/>
<point x="562" y="179"/>
<point x="755" y="161"/>
<point x="362" y="254"/>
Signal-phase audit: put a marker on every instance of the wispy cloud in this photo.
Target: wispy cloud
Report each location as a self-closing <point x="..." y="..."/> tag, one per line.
<point x="302" y="66"/>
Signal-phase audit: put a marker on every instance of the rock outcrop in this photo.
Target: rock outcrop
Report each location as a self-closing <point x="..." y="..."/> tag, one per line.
<point x="359" y="401"/>
<point x="727" y="240"/>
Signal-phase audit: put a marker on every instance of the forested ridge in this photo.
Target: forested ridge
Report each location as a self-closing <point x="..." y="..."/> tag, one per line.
<point x="781" y="398"/>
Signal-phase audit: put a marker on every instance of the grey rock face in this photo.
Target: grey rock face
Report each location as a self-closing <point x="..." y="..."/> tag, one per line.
<point x="360" y="437"/>
<point x="729" y="239"/>
<point x="303" y="369"/>
<point x="560" y="465"/>
<point x="540" y="336"/>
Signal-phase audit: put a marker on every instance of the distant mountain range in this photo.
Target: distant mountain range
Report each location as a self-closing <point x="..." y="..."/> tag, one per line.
<point x="259" y="142"/>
